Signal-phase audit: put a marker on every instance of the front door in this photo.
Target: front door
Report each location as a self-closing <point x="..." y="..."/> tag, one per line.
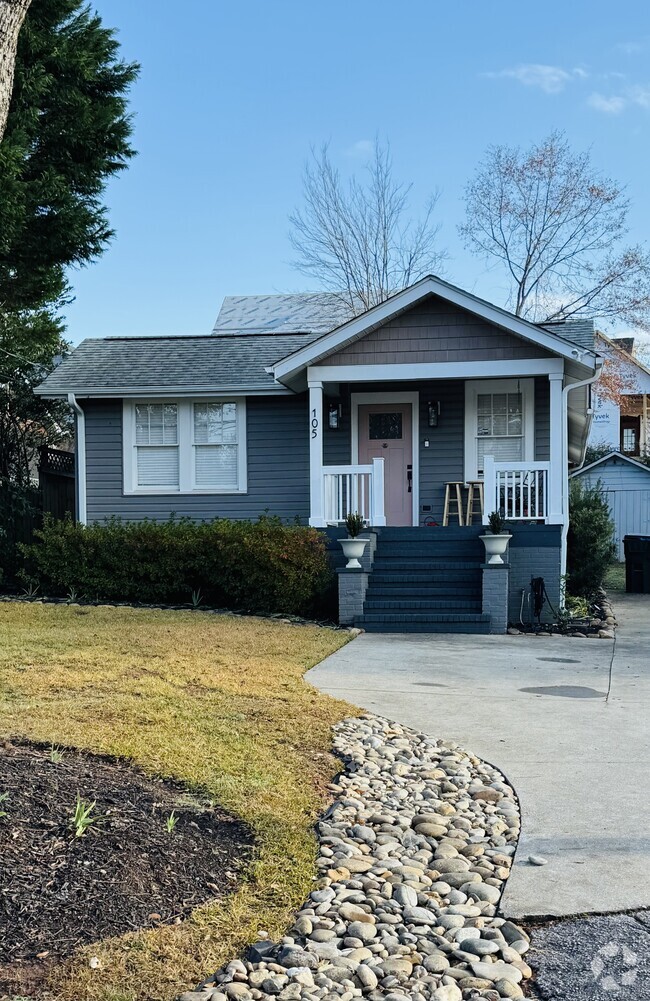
<point x="385" y="433"/>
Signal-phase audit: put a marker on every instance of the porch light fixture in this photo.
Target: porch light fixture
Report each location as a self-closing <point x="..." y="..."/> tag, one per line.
<point x="334" y="411"/>
<point x="433" y="413"/>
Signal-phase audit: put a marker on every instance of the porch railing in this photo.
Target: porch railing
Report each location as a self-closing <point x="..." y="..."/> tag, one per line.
<point x="351" y="489"/>
<point x="520" y="491"/>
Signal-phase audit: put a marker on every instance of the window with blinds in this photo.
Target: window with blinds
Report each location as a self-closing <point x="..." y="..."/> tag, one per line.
<point x="184" y="446"/>
<point x="499" y="427"/>
<point x="215" y="443"/>
<point x="156" y="443"/>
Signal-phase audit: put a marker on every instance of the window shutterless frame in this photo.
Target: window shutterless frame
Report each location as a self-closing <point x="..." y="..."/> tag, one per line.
<point x="186" y="463"/>
<point x="476" y="387"/>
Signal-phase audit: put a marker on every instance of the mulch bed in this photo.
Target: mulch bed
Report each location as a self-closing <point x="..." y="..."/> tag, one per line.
<point x="58" y="891"/>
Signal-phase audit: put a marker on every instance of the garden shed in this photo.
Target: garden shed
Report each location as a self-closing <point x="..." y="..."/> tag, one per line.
<point x="626" y="483"/>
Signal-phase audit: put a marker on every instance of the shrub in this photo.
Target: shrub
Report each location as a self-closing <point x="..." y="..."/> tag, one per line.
<point x="20" y="514"/>
<point x="590" y="543"/>
<point x="263" y="566"/>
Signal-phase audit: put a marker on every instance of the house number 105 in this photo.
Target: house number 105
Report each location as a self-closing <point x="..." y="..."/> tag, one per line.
<point x="314" y="424"/>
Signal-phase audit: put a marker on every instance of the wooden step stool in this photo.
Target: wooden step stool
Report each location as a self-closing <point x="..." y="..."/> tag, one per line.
<point x="475" y="492"/>
<point x="455" y="497"/>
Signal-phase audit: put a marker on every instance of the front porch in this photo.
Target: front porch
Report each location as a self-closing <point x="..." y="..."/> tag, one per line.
<point x="388" y="450"/>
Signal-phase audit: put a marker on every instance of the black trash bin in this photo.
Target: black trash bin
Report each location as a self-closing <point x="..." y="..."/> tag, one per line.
<point x="637" y="564"/>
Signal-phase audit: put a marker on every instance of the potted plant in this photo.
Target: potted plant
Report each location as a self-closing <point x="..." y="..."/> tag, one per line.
<point x="353" y="546"/>
<point x="496" y="540"/>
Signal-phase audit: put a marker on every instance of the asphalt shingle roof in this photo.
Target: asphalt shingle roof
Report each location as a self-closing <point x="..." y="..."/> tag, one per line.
<point x="581" y="332"/>
<point x="207" y="362"/>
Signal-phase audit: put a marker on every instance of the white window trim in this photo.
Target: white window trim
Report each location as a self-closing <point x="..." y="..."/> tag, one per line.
<point x="186" y="478"/>
<point x="472" y="391"/>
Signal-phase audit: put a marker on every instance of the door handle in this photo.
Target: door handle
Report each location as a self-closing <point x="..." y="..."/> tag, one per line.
<point x="409" y="478"/>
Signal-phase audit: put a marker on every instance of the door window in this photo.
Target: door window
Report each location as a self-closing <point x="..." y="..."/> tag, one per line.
<point x="384" y="426"/>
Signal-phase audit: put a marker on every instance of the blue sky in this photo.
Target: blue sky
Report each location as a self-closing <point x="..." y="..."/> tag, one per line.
<point x="231" y="98"/>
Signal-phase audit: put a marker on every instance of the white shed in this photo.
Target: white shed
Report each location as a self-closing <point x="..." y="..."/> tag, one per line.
<point x="626" y="482"/>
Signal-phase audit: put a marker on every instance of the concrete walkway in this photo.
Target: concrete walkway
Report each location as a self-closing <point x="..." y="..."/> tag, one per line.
<point x="569" y="728"/>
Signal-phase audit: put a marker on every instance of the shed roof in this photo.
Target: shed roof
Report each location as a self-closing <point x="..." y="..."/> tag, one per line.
<point x="618" y="456"/>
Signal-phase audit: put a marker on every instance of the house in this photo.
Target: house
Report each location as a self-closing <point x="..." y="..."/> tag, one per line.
<point x="622" y="423"/>
<point x="626" y="484"/>
<point x="295" y="407"/>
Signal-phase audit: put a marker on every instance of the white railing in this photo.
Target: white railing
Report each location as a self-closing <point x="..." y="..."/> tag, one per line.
<point x="352" y="489"/>
<point x="519" y="491"/>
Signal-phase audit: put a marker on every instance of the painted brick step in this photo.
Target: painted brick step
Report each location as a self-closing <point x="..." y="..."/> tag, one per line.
<point x="431" y="534"/>
<point x="404" y="604"/>
<point x="435" y="577"/>
<point x="467" y="589"/>
<point x="425" y="616"/>
<point x="475" y="628"/>
<point x="465" y="553"/>
<point x="417" y="564"/>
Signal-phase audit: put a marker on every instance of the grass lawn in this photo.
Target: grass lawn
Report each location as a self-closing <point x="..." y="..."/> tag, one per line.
<point x="615" y="577"/>
<point x="218" y="702"/>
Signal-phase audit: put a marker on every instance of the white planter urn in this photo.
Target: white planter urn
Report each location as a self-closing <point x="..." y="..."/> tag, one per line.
<point x="353" y="550"/>
<point x="495" y="545"/>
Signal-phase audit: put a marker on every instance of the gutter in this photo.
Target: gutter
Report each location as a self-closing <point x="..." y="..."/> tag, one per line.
<point x="565" y="455"/>
<point x="80" y="455"/>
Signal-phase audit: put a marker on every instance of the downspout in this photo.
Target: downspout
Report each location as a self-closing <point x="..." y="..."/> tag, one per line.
<point x="80" y="455"/>
<point x="565" y="459"/>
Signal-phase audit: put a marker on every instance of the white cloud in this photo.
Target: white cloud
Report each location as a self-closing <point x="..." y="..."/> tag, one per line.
<point x="609" y="105"/>
<point x="550" y="79"/>
<point x="616" y="103"/>
<point x="640" y="96"/>
<point x="362" y="147"/>
<point x="630" y="48"/>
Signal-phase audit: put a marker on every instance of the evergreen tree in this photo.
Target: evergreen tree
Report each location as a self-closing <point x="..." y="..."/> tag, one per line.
<point x="67" y="133"/>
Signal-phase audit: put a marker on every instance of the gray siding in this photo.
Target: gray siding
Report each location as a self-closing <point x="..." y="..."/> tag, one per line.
<point x="542" y="419"/>
<point x="278" y="467"/>
<point x="435" y="331"/>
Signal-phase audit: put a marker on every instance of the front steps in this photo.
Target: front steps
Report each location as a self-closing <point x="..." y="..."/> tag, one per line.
<point x="426" y="581"/>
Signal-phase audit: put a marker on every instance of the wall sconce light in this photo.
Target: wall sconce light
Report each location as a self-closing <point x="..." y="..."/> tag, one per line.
<point x="434" y="413"/>
<point x="334" y="411"/>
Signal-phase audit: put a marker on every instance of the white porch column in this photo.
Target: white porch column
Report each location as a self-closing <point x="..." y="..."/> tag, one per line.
<point x="316" y="499"/>
<point x="557" y="502"/>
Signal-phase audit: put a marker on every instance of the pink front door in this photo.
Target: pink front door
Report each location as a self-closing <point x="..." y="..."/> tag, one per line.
<point x="385" y="433"/>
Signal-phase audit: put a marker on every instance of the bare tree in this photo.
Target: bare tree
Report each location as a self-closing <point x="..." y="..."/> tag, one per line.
<point x="558" y="229"/>
<point x="12" y="15"/>
<point x="357" y="240"/>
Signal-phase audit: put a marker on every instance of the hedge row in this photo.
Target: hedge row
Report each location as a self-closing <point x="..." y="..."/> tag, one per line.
<point x="261" y="566"/>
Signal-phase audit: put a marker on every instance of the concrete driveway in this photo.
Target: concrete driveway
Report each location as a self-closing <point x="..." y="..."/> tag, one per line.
<point x="566" y="720"/>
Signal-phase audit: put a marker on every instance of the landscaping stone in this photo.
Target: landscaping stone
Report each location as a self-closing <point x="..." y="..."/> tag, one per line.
<point x="414" y="854"/>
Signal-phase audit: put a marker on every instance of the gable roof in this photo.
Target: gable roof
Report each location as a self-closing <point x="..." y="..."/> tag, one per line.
<point x="296" y="313"/>
<point x="129" y="366"/>
<point x="353" y="329"/>
<point x="606" y="458"/>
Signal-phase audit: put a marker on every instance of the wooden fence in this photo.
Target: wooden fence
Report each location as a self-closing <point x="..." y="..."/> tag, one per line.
<point x="22" y="508"/>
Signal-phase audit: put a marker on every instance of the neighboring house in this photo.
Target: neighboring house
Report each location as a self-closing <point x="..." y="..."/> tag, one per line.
<point x="626" y="483"/>
<point x="623" y="424"/>
<point x="292" y="406"/>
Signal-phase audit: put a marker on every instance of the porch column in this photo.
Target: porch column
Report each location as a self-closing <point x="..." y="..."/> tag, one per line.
<point x="316" y="513"/>
<point x="557" y="503"/>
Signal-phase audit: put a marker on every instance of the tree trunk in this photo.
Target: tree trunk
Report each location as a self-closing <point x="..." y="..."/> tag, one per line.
<point x="12" y="15"/>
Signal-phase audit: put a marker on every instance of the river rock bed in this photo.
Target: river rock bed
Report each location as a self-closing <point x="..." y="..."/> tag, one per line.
<point x="414" y="854"/>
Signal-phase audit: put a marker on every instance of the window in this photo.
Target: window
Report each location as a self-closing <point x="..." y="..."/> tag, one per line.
<point x="631" y="435"/>
<point x="384" y="426"/>
<point x="499" y="427"/>
<point x="215" y="445"/>
<point x="188" y="446"/>
<point x="499" y="421"/>
<point x="156" y="444"/>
